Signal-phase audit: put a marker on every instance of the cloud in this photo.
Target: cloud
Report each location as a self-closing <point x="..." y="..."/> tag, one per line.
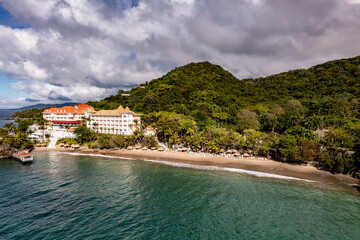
<point x="31" y="100"/>
<point x="87" y="49"/>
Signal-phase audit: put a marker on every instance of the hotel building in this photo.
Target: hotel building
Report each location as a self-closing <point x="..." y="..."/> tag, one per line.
<point x="117" y="121"/>
<point x="68" y="115"/>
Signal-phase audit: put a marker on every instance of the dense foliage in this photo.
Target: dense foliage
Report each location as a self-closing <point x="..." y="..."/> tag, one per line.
<point x="203" y="106"/>
<point x="93" y="140"/>
<point x="28" y="113"/>
<point x="13" y="138"/>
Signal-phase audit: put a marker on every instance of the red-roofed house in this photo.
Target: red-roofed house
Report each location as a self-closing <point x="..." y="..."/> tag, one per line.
<point x="149" y="131"/>
<point x="67" y="115"/>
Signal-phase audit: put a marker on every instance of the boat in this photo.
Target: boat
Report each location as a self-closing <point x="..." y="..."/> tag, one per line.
<point x="24" y="157"/>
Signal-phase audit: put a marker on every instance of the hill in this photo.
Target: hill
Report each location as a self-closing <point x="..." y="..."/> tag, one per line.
<point x="47" y="105"/>
<point x="297" y="116"/>
<point x="202" y="90"/>
<point x="329" y="88"/>
<point x="214" y="96"/>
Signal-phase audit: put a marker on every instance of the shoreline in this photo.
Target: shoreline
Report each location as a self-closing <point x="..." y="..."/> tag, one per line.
<point x="307" y="174"/>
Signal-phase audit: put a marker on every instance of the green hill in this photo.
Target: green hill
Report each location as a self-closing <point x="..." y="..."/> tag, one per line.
<point x="202" y="90"/>
<point x="214" y="96"/>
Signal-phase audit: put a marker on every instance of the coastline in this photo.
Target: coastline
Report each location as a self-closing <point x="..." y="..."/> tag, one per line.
<point x="307" y="174"/>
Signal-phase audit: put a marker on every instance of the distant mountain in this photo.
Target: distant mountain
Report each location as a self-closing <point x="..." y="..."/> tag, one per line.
<point x="44" y="105"/>
<point x="9" y="112"/>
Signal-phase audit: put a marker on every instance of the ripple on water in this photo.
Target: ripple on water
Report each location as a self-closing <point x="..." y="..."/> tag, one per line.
<point x="83" y="197"/>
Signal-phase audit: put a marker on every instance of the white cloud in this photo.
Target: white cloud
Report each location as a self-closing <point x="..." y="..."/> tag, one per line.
<point x="88" y="49"/>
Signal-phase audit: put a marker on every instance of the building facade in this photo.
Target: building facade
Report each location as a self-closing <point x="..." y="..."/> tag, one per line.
<point x="68" y="115"/>
<point x="117" y="121"/>
<point x="149" y="131"/>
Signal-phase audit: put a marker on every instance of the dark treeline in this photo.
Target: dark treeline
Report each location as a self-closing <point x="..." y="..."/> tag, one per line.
<point x="297" y="116"/>
<point x="28" y="113"/>
<point x="14" y="137"/>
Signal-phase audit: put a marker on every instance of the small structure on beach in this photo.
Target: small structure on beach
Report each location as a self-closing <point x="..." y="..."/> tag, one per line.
<point x="24" y="157"/>
<point x="75" y="146"/>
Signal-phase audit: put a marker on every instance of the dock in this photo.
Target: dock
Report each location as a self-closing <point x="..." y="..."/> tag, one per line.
<point x="24" y="157"/>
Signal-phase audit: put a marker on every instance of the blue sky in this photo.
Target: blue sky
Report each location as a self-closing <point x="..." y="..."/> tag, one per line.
<point x="57" y="50"/>
<point x="6" y="92"/>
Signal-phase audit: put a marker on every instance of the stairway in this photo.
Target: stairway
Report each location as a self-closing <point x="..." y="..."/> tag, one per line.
<point x="161" y="144"/>
<point x="53" y="140"/>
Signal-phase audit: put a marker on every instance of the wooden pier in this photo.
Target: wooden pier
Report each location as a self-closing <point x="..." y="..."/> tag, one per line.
<point x="24" y="157"/>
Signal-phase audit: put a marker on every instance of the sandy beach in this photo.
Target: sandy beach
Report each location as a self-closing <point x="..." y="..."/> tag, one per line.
<point x="314" y="176"/>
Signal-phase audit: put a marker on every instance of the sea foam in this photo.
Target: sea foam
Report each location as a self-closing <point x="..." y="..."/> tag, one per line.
<point x="199" y="167"/>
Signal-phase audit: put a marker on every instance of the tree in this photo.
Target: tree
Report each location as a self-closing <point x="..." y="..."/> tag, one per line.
<point x="247" y="120"/>
<point x="84" y="134"/>
<point x="269" y="122"/>
<point x="294" y="113"/>
<point x="337" y="154"/>
<point x="104" y="141"/>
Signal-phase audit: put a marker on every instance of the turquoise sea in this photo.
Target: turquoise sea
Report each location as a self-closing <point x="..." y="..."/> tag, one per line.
<point x="65" y="196"/>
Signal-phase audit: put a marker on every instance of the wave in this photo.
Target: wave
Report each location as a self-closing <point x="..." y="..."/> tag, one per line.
<point x="200" y="167"/>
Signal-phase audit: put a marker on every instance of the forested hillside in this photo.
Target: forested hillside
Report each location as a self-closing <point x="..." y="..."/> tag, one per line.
<point x="204" y="91"/>
<point x="213" y="96"/>
<point x="296" y="116"/>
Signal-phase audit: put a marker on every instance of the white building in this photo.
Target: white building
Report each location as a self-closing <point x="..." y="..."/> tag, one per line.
<point x="67" y="115"/>
<point x="117" y="121"/>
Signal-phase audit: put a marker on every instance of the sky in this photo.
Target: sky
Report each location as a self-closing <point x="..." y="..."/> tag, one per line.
<point x="54" y="51"/>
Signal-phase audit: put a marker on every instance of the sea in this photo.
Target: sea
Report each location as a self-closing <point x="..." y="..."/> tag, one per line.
<point x="72" y="196"/>
<point x="6" y="113"/>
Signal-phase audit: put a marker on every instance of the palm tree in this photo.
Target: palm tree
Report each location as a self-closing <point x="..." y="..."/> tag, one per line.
<point x="86" y="119"/>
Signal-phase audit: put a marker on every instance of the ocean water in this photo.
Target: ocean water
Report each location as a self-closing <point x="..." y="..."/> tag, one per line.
<point x="64" y="196"/>
<point x="3" y="122"/>
<point x="5" y="113"/>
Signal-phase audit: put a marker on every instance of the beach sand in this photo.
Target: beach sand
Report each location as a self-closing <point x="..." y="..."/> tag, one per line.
<point x="315" y="176"/>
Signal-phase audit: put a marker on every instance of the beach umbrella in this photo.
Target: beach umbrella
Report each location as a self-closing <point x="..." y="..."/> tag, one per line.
<point x="129" y="148"/>
<point x="161" y="149"/>
<point x="144" y="148"/>
<point x="229" y="151"/>
<point x="153" y="148"/>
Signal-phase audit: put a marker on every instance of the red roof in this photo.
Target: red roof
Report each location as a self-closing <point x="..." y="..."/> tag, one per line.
<point x="149" y="127"/>
<point x="81" y="108"/>
<point x="66" y="122"/>
<point x="25" y="154"/>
